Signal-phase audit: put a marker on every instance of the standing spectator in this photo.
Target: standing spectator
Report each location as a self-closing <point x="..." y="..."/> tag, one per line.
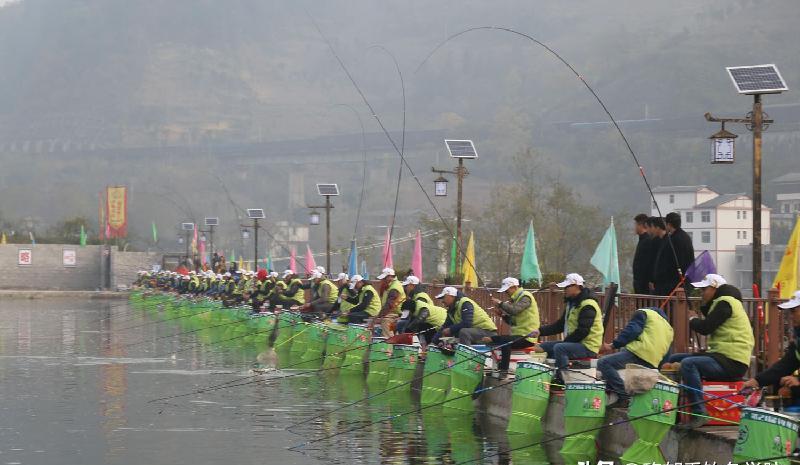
<point x="643" y="258"/>
<point x="677" y="246"/>
<point x="658" y="233"/>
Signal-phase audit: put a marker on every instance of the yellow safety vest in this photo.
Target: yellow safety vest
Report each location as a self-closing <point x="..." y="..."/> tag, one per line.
<point x="480" y="319"/>
<point x="436" y="315"/>
<point x="594" y="339"/>
<point x="653" y="344"/>
<point x="394" y="285"/>
<point x="424" y="297"/>
<point x="374" y="305"/>
<point x="300" y="295"/>
<point x="527" y="320"/>
<point x="333" y="291"/>
<point x="734" y="339"/>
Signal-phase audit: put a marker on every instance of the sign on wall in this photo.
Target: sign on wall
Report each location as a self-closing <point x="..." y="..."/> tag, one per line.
<point x="24" y="257"/>
<point x="117" y="210"/>
<point x="70" y="257"/>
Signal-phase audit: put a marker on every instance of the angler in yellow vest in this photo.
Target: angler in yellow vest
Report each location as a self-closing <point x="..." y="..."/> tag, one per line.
<point x="343" y="305"/>
<point x="581" y="324"/>
<point x="645" y="341"/>
<point x="392" y="299"/>
<point x="367" y="303"/>
<point x="521" y="313"/>
<point x="782" y="372"/>
<point x="426" y="321"/>
<point x="293" y="294"/>
<point x="466" y="320"/>
<point x="730" y="342"/>
<point x="326" y="295"/>
<point x="414" y="293"/>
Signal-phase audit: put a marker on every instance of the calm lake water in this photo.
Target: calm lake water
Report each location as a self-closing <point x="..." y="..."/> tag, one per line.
<point x="79" y="377"/>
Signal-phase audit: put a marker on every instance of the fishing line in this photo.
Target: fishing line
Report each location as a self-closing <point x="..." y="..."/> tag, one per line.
<point x="188" y="332"/>
<point x="164" y="321"/>
<point x="372" y="396"/>
<point x="590" y="430"/>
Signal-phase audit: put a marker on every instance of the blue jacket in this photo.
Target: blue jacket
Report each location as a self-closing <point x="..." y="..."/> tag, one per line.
<point x="634" y="328"/>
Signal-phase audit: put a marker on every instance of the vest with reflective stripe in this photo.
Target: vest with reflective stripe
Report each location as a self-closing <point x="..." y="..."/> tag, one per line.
<point x="594" y="339"/>
<point x="374" y="304"/>
<point x="436" y="315"/>
<point x="480" y="319"/>
<point x="300" y="295"/>
<point x="526" y="321"/>
<point x="394" y="285"/>
<point x="333" y="291"/>
<point x="734" y="338"/>
<point x="653" y="344"/>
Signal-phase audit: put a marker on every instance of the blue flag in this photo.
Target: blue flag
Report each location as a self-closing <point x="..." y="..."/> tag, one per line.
<point x="352" y="267"/>
<point x="364" y="272"/>
<point x="702" y="265"/>
<point x="605" y="257"/>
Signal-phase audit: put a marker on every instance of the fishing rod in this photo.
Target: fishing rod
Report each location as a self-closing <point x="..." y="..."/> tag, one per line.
<point x="165" y="320"/>
<point x="393" y="417"/>
<point x="189" y="332"/>
<point x="591" y="430"/>
<point x="372" y="396"/>
<point x="229" y="384"/>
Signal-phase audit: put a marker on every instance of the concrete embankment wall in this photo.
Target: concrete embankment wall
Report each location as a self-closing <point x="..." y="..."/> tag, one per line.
<point x="94" y="267"/>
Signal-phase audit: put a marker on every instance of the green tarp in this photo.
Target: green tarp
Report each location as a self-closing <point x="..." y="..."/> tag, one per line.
<point x="530" y="398"/>
<point x="764" y="434"/>
<point x="436" y="380"/>
<point x="585" y="409"/>
<point x="465" y="375"/>
<point x="651" y="429"/>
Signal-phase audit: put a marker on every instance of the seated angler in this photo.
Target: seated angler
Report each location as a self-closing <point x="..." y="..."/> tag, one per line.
<point x="342" y="306"/>
<point x="466" y="320"/>
<point x="783" y="372"/>
<point x="392" y="299"/>
<point x="326" y="295"/>
<point x="366" y="303"/>
<point x="730" y="343"/>
<point x="425" y="320"/>
<point x="645" y="341"/>
<point x="414" y="291"/>
<point x="520" y="312"/>
<point x="293" y="293"/>
<point x="581" y="324"/>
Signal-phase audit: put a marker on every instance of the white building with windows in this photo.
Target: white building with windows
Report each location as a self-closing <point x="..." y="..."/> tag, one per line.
<point x="715" y="222"/>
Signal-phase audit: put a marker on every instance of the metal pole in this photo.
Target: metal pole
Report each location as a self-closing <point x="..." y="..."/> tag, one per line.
<point x="757" y="122"/>
<point x="328" y="233"/>
<point x="187" y="247"/>
<point x="460" y="175"/>
<point x="255" y="244"/>
<point x="211" y="240"/>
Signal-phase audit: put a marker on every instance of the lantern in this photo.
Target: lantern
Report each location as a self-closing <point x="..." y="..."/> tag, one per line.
<point x="723" y="146"/>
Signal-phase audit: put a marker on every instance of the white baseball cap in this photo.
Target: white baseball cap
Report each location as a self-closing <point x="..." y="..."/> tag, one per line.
<point x="713" y="280"/>
<point x="274" y="274"/>
<point x="287" y="273"/>
<point x="508" y="283"/>
<point x="342" y="277"/>
<point x="571" y="279"/>
<point x="794" y="302"/>
<point x="321" y="269"/>
<point x="449" y="290"/>
<point x="411" y="279"/>
<point x="315" y="275"/>
<point x="386" y="272"/>
<point x="354" y="279"/>
<point x="227" y="274"/>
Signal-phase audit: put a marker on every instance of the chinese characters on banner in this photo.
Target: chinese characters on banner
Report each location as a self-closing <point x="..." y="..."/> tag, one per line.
<point x="117" y="205"/>
<point x="24" y="257"/>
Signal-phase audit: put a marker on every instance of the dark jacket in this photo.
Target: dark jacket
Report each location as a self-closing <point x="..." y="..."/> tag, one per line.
<point x="783" y="367"/>
<point x="665" y="269"/>
<point x="708" y="325"/>
<point x="585" y="319"/>
<point x="643" y="263"/>
<point x="467" y="312"/>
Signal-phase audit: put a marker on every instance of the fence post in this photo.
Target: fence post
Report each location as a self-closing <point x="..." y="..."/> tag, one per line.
<point x="680" y="321"/>
<point x="774" y="327"/>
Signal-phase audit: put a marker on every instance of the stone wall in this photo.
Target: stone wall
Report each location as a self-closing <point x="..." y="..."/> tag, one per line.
<point x="47" y="270"/>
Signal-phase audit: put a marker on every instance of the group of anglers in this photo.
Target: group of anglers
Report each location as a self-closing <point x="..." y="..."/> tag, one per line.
<point x="402" y="307"/>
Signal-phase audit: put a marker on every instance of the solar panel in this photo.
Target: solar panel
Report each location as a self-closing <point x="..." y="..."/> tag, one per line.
<point x="328" y="189"/>
<point x="461" y="148"/>
<point x="255" y="213"/>
<point x="187" y="226"/>
<point x="212" y="221"/>
<point x="760" y="79"/>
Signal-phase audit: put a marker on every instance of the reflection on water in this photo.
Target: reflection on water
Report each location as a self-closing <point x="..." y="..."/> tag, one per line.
<point x="77" y="377"/>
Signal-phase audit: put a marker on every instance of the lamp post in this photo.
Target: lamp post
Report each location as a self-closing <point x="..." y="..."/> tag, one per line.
<point x="188" y="229"/>
<point x="254" y="214"/>
<point x="755" y="81"/>
<point x="327" y="191"/>
<point x="460" y="149"/>
<point x="210" y="224"/>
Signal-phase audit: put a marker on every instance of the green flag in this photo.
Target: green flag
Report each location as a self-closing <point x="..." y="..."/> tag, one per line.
<point x="269" y="261"/>
<point x="83" y="236"/>
<point x="529" y="269"/>
<point x="233" y="256"/>
<point x="605" y="258"/>
<point x="453" y="251"/>
<point x="155" y="233"/>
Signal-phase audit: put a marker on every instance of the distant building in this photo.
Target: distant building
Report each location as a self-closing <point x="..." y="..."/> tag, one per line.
<point x="771" y="256"/>
<point x="716" y="222"/>
<point x="787" y="199"/>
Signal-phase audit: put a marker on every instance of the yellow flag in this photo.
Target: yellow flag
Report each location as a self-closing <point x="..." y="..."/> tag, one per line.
<point x="468" y="267"/>
<point x="241" y="264"/>
<point x="786" y="279"/>
<point x="3" y="239"/>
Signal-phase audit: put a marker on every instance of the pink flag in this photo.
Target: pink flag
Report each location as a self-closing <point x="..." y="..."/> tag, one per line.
<point x="203" y="253"/>
<point x="311" y="265"/>
<point x="416" y="258"/>
<point x="292" y="260"/>
<point x="387" y="250"/>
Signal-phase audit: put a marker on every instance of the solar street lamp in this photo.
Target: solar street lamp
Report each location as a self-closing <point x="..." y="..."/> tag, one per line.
<point x="755" y="81"/>
<point x="327" y="191"/>
<point x="254" y="214"/>
<point x="462" y="150"/>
